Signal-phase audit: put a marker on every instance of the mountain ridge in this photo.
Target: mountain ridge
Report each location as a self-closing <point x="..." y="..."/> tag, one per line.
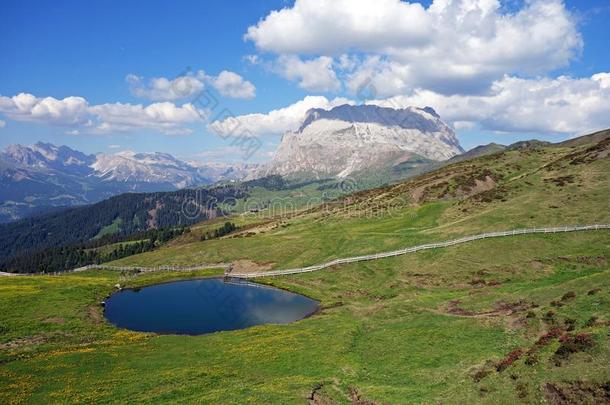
<point x="350" y="139"/>
<point x="44" y="176"/>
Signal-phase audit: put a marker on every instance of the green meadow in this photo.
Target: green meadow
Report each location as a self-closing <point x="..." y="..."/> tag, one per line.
<point x="517" y="319"/>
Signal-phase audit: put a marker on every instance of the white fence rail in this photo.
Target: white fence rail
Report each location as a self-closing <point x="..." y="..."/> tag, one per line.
<point x="414" y="249"/>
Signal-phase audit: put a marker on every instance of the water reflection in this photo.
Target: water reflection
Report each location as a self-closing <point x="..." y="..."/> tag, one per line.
<point x="195" y="307"/>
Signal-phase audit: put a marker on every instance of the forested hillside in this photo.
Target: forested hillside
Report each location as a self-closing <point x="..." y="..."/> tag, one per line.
<point x="97" y="251"/>
<point x="121" y="215"/>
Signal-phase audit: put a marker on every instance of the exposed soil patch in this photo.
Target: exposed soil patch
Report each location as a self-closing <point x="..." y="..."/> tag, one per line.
<point x="545" y="339"/>
<point x="517" y="323"/>
<point x="594" y="291"/>
<point x="453" y="308"/>
<point x="28" y="341"/>
<point x="480" y="185"/>
<point x="95" y="315"/>
<point x="316" y="398"/>
<point x="356" y="399"/>
<point x="560" y="181"/>
<point x="249" y="266"/>
<point x="480" y="372"/>
<point x="479" y="282"/>
<point x="572" y="344"/>
<point x="509" y="359"/>
<point x="501" y="309"/>
<point x="495" y="194"/>
<point x="576" y="392"/>
<point x="431" y="188"/>
<point x="423" y="280"/>
<point x="596" y="261"/>
<point x="359" y="293"/>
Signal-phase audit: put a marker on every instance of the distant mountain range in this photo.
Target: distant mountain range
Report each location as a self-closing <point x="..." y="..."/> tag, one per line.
<point x="41" y="177"/>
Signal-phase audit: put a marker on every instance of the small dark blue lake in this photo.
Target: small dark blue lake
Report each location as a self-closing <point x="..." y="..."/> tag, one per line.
<point x="195" y="307"/>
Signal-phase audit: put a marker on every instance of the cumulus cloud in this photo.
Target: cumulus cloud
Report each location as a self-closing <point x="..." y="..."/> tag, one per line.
<point x="451" y="47"/>
<point x="76" y="112"/>
<point x="319" y="26"/>
<point x="275" y="121"/>
<point x="229" y="84"/>
<point x="165" y="117"/>
<point x="26" y="107"/>
<point x="2" y="124"/>
<point x="563" y="105"/>
<point x="314" y="74"/>
<point x="232" y="85"/>
<point x="163" y="89"/>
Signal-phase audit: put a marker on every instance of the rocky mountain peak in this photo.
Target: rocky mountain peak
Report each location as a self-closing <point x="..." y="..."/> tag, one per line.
<point x="349" y="139"/>
<point x="423" y="119"/>
<point x="46" y="156"/>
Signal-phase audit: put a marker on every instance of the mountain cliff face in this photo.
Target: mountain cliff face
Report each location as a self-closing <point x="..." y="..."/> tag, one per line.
<point x="348" y="140"/>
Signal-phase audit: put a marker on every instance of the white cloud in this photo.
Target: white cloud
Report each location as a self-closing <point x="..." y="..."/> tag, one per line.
<point x="319" y="26"/>
<point x="2" y="124"/>
<point x="165" y="117"/>
<point x="464" y="125"/>
<point x="114" y="146"/>
<point x="451" y="47"/>
<point x="562" y="105"/>
<point x="76" y="112"/>
<point x="275" y="121"/>
<point x="314" y="74"/>
<point x="253" y="59"/>
<point x="229" y="84"/>
<point x="163" y="89"/>
<point x="26" y="107"/>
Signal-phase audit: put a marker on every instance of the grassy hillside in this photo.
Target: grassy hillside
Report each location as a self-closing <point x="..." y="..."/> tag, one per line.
<point x="522" y="319"/>
<point x="518" y="188"/>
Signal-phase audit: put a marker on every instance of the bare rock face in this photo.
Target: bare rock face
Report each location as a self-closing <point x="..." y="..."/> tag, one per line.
<point x="351" y="139"/>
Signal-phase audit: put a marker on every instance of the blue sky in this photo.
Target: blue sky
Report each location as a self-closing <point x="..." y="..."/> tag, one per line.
<point x="87" y="50"/>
